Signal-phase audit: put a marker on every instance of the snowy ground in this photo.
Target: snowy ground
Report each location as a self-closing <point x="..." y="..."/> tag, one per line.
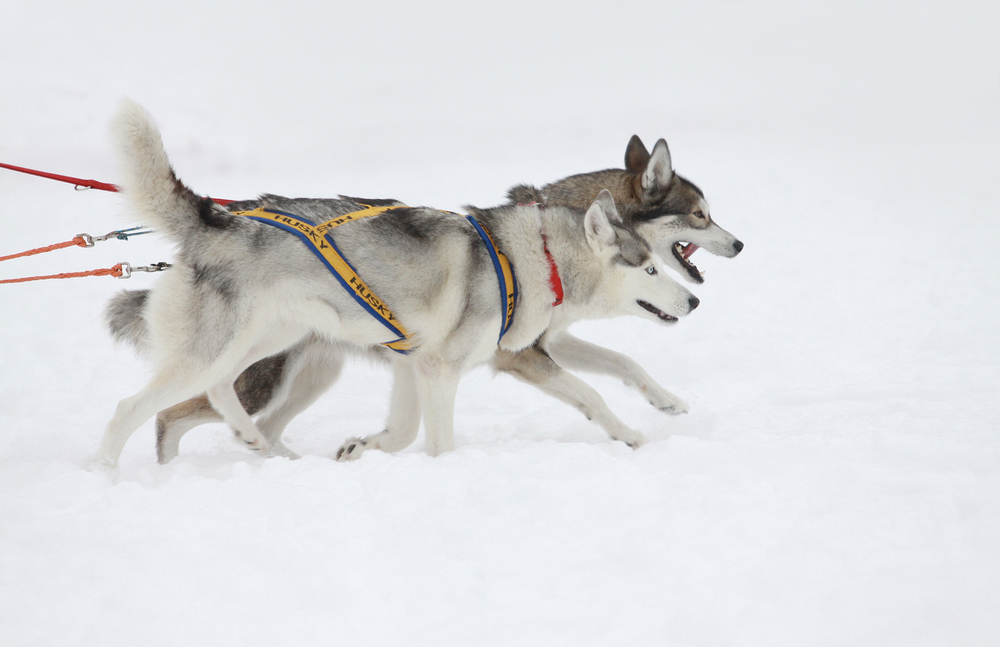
<point x="837" y="481"/>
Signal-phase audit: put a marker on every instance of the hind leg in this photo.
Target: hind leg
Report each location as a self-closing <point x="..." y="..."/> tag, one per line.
<point x="185" y="376"/>
<point x="222" y="394"/>
<point x="168" y="387"/>
<point x="173" y="423"/>
<point x="223" y="399"/>
<point x="317" y="369"/>
<point x="281" y="385"/>
<point x="404" y="418"/>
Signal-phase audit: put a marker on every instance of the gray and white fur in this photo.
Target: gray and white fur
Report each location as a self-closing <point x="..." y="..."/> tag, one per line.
<point x="242" y="291"/>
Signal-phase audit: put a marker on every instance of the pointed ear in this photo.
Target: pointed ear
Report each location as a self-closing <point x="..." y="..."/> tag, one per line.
<point x="597" y="222"/>
<point x="607" y="202"/>
<point x="636" y="156"/>
<point x="659" y="169"/>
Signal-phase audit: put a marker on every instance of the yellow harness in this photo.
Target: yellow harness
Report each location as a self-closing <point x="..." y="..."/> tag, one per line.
<point x="318" y="239"/>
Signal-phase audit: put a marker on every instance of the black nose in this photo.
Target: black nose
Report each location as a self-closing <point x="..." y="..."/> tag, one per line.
<point x="738" y="246"/>
<point x="693" y="302"/>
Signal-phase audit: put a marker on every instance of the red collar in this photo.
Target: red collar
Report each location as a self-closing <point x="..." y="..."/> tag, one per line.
<point x="554" y="281"/>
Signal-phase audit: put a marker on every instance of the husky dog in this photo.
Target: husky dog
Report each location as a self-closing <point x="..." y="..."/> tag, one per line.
<point x="241" y="290"/>
<point x="663" y="207"/>
<point x="670" y="212"/>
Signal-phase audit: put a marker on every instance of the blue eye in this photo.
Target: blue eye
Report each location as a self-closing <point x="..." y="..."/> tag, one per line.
<point x="651" y="270"/>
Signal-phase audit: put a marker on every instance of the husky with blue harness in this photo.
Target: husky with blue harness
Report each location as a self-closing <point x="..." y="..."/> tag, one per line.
<point x="430" y="286"/>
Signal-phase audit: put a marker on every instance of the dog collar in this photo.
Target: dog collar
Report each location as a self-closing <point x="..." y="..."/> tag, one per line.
<point x="554" y="281"/>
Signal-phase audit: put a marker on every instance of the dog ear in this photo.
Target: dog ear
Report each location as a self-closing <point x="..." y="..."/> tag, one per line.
<point x="659" y="170"/>
<point x="607" y="202"/>
<point x="636" y="156"/>
<point x="597" y="223"/>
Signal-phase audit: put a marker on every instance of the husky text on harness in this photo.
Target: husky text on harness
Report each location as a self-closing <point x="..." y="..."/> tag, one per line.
<point x="318" y="239"/>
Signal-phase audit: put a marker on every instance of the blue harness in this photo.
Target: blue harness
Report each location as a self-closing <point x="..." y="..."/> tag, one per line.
<point x="318" y="239"/>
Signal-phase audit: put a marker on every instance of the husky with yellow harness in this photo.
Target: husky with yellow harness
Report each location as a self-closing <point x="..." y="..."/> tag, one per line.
<point x="243" y="289"/>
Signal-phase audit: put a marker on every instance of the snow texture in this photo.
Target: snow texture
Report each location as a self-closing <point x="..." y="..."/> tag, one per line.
<point x="837" y="481"/>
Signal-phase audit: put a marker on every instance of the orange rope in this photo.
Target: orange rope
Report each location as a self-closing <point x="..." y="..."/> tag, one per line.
<point x="115" y="271"/>
<point x="51" y="248"/>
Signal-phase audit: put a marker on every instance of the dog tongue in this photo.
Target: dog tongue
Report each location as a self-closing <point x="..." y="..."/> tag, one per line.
<point x="688" y="249"/>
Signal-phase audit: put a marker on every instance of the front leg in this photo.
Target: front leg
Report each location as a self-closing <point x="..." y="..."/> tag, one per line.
<point x="437" y="385"/>
<point x="533" y="366"/>
<point x="574" y="353"/>
<point x="403" y="422"/>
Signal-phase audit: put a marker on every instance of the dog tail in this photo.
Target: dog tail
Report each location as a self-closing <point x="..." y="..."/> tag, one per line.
<point x="149" y="182"/>
<point x="125" y="317"/>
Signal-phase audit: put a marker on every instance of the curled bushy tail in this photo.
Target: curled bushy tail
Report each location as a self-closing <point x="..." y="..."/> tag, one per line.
<point x="149" y="182"/>
<point x="125" y="318"/>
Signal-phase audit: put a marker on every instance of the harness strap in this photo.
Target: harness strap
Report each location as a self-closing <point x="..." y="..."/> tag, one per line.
<point x="351" y="217"/>
<point x="317" y="239"/>
<point x="505" y="276"/>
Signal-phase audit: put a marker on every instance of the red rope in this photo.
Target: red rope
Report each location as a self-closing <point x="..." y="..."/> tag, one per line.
<point x="78" y="240"/>
<point x="51" y="248"/>
<point x="113" y="271"/>
<point x="90" y="184"/>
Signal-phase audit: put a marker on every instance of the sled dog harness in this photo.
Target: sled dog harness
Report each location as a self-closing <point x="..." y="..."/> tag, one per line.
<point x="318" y="239"/>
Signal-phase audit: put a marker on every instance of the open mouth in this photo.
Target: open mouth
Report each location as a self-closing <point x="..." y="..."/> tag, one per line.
<point x="661" y="315"/>
<point x="682" y="253"/>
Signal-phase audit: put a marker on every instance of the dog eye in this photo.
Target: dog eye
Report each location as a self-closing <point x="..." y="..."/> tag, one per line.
<point x="651" y="270"/>
<point x="699" y="214"/>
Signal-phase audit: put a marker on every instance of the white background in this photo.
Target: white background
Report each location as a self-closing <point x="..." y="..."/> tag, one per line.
<point x="836" y="482"/>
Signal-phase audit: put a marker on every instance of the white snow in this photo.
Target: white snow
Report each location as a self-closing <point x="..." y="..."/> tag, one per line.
<point x="837" y="481"/>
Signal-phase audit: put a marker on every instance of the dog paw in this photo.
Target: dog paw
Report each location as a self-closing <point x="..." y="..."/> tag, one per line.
<point x="102" y="463"/>
<point x="279" y="448"/>
<point x="632" y="438"/>
<point x="351" y="449"/>
<point x="252" y="440"/>
<point x="675" y="410"/>
<point x="668" y="403"/>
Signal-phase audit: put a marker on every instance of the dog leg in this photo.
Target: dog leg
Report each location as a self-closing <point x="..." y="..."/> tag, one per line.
<point x="534" y="367"/>
<point x="437" y="385"/>
<point x="257" y="388"/>
<point x="168" y="387"/>
<point x="317" y="369"/>
<point x="267" y="344"/>
<point x="574" y="353"/>
<point x="223" y="398"/>
<point x="403" y="422"/>
<point x="313" y="366"/>
<point x="173" y="423"/>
